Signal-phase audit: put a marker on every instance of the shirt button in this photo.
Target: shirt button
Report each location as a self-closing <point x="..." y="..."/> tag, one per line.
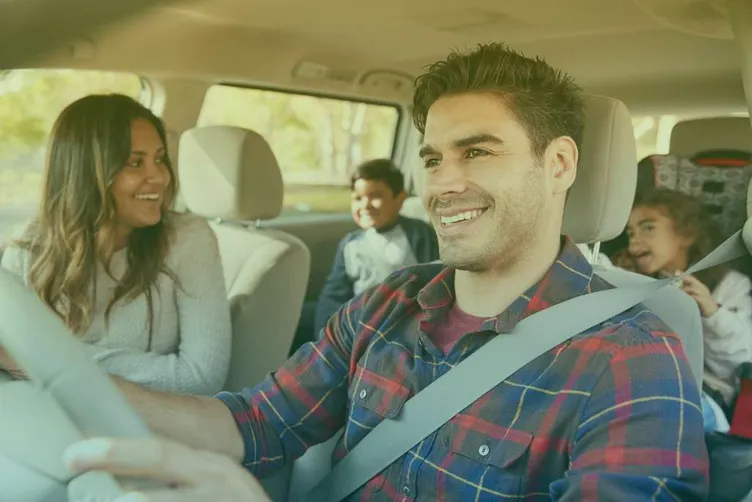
<point x="406" y="490"/>
<point x="363" y="394"/>
<point x="483" y="450"/>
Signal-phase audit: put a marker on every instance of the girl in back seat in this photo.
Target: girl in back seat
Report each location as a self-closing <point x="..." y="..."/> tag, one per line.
<point x="142" y="286"/>
<point x="668" y="231"/>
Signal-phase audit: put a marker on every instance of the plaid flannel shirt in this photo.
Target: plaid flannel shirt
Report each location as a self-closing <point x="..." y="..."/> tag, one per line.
<point x="612" y="414"/>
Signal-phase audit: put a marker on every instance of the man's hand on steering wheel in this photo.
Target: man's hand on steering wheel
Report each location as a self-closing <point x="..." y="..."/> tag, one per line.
<point x="196" y="475"/>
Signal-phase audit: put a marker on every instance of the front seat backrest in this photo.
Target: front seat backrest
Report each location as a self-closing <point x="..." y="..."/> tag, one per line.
<point x="230" y="175"/>
<point x="598" y="207"/>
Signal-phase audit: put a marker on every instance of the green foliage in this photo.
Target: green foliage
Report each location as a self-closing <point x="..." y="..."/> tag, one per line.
<point x="30" y="101"/>
<point x="317" y="141"/>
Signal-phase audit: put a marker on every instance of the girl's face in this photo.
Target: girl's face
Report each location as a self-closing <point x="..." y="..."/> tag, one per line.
<point x="654" y="243"/>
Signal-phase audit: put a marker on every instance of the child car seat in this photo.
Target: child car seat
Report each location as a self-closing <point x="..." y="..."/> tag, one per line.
<point x="719" y="179"/>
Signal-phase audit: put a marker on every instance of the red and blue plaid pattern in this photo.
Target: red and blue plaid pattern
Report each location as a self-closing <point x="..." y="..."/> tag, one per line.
<point x="613" y="414"/>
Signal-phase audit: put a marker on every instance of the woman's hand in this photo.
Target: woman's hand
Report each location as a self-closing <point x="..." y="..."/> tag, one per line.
<point x="701" y="294"/>
<point x="197" y="476"/>
<point x="9" y="365"/>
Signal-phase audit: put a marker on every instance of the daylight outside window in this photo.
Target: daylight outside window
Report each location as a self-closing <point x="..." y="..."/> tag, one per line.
<point x="653" y="134"/>
<point x="30" y="101"/>
<point x="316" y="140"/>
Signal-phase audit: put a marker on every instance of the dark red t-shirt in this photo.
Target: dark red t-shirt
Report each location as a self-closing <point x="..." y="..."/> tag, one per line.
<point x="454" y="326"/>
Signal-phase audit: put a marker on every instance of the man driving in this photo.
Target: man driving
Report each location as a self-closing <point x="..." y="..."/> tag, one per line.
<point x="612" y="414"/>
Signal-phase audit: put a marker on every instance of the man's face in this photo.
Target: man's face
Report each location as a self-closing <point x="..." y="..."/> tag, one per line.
<point x="487" y="194"/>
<point x="374" y="204"/>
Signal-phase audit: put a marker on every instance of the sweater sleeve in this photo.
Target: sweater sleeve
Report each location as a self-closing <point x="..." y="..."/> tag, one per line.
<point x="337" y="290"/>
<point x="201" y="363"/>
<point x="16" y="261"/>
<point x="422" y="238"/>
<point x="728" y="332"/>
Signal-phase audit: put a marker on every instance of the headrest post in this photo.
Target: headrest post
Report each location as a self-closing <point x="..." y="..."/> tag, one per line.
<point x="595" y="251"/>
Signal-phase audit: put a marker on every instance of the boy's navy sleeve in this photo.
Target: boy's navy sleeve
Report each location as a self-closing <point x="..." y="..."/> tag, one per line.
<point x="432" y="244"/>
<point x="338" y="288"/>
<point x="422" y="238"/>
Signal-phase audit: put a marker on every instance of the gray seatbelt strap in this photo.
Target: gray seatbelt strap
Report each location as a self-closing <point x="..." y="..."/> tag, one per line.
<point x="483" y="370"/>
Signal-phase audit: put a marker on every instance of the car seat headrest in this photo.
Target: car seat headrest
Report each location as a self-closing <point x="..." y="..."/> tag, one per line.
<point x="229" y="173"/>
<point x="717" y="133"/>
<point x="601" y="198"/>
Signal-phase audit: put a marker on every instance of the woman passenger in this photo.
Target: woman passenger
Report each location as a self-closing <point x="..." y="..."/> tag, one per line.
<point x="141" y="285"/>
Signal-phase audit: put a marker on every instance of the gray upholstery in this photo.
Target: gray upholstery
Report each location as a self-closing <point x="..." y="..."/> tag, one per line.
<point x="601" y="198"/>
<point x="230" y="175"/>
<point x="727" y="133"/>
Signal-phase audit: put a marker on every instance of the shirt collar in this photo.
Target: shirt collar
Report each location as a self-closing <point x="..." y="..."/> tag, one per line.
<point x="568" y="277"/>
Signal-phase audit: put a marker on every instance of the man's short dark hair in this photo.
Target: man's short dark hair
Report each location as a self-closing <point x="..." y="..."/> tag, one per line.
<point x="381" y="170"/>
<point x="545" y="101"/>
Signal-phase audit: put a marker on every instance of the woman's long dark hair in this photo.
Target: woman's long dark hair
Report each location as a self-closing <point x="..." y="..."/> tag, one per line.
<point x="75" y="229"/>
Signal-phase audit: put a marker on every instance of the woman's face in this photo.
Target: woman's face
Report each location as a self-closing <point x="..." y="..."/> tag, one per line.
<point x="654" y="243"/>
<point x="140" y="187"/>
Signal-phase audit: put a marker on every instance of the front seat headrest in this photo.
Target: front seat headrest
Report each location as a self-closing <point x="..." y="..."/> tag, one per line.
<point x="599" y="202"/>
<point x="229" y="173"/>
<point x="717" y="133"/>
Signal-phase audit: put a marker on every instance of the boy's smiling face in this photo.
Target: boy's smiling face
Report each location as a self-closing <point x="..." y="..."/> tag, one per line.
<point x="374" y="204"/>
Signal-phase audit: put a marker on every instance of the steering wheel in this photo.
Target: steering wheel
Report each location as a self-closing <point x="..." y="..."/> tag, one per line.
<point x="69" y="397"/>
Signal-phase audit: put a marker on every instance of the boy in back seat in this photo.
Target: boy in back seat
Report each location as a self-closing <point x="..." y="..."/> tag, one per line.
<point x="385" y="242"/>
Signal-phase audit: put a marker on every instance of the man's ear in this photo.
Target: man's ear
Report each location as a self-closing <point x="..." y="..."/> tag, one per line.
<point x="401" y="197"/>
<point x="562" y="154"/>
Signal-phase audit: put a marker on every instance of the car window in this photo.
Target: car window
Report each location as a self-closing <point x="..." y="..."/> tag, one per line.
<point x="317" y="140"/>
<point x="653" y="134"/>
<point x="30" y="101"/>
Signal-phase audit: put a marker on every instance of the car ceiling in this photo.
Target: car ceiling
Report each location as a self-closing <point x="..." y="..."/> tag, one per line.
<point x="611" y="47"/>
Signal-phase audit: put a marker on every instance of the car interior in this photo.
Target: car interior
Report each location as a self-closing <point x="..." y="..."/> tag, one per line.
<point x="268" y="108"/>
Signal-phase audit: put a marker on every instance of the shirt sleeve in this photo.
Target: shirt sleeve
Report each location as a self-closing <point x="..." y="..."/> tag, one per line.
<point x="728" y="332"/>
<point x="337" y="290"/>
<point x="16" y="261"/>
<point x="641" y="432"/>
<point x="202" y="360"/>
<point x="303" y="403"/>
